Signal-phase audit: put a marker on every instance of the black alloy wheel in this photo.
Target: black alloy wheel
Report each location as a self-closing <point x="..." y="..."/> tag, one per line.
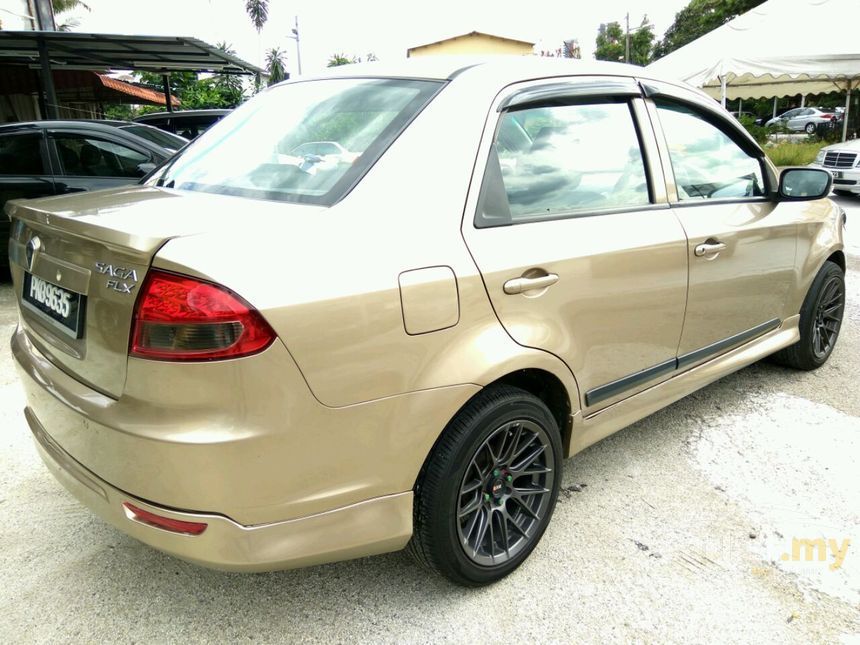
<point x="505" y="492"/>
<point x="828" y="317"/>
<point x="488" y="488"/>
<point x="820" y="321"/>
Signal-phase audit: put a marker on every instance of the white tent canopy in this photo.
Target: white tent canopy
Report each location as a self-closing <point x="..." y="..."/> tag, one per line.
<point x="780" y="48"/>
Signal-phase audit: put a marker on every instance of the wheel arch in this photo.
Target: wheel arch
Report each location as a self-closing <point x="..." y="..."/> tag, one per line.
<point x="559" y="394"/>
<point x="838" y="258"/>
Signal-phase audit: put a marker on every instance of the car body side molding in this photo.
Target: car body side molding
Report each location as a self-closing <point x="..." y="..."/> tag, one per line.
<point x="609" y="390"/>
<point x="603" y="392"/>
<point x="687" y="360"/>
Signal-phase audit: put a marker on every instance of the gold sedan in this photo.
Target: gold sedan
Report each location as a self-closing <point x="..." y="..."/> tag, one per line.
<point x="377" y="308"/>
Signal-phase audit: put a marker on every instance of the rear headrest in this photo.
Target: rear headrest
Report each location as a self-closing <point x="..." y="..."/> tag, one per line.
<point x="90" y="155"/>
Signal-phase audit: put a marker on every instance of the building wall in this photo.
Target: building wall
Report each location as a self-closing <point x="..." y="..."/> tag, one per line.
<point x="472" y="44"/>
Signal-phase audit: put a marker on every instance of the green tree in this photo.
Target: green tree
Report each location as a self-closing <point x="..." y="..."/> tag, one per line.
<point x="610" y="43"/>
<point x="276" y="65"/>
<point x="193" y="92"/>
<point x="336" y="60"/>
<point x="258" y="11"/>
<point x="698" y="18"/>
<point x="229" y="86"/>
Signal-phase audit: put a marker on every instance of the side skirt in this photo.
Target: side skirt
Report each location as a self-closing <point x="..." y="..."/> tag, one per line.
<point x="591" y="429"/>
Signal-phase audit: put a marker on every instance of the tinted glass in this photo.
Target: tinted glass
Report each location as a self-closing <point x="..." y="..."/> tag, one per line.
<point x="707" y="163"/>
<point x="251" y="151"/>
<point x="557" y="161"/>
<point x="83" y="156"/>
<point x="20" y="154"/>
<point x="159" y="137"/>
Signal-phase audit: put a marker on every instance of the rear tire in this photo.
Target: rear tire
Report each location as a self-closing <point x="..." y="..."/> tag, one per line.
<point x="820" y="321"/>
<point x="810" y="128"/>
<point x="488" y="489"/>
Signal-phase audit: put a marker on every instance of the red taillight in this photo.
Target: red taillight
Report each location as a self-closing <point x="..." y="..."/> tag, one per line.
<point x="178" y="318"/>
<point x="166" y="523"/>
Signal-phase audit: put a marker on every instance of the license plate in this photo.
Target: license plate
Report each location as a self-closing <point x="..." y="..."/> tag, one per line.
<point x="837" y="174"/>
<point x="61" y="308"/>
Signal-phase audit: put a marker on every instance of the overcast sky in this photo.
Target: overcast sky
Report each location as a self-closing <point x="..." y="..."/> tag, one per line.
<point x="358" y="27"/>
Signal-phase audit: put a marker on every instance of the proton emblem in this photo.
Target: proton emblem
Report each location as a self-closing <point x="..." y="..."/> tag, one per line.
<point x="33" y="247"/>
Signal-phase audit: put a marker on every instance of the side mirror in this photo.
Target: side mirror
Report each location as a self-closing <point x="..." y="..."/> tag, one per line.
<point x="799" y="184"/>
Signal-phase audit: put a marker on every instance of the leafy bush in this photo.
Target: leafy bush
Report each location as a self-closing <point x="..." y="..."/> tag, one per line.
<point x="758" y="132"/>
<point x="790" y="153"/>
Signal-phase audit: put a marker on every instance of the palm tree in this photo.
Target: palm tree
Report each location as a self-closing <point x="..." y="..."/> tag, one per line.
<point x="229" y="85"/>
<point x="64" y="6"/>
<point x="258" y="10"/>
<point x="276" y="65"/>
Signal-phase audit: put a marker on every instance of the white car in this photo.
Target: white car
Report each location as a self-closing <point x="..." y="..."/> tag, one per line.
<point x="843" y="162"/>
<point x="804" y="119"/>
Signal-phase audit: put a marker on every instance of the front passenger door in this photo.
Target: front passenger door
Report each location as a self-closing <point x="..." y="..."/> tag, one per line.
<point x="741" y="243"/>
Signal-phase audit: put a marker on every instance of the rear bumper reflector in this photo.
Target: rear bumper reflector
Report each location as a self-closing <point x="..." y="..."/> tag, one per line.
<point x="166" y="523"/>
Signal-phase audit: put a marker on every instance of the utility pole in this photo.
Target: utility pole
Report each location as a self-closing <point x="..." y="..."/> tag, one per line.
<point x="627" y="40"/>
<point x="295" y="37"/>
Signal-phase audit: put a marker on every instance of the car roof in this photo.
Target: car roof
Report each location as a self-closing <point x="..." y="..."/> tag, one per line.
<point x="506" y="69"/>
<point x="182" y="113"/>
<point x="89" y="126"/>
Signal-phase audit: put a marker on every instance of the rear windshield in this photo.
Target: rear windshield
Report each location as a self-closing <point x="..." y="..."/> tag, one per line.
<point x="305" y="142"/>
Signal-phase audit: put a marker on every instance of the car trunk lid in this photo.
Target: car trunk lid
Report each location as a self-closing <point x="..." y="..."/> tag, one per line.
<point x="95" y="249"/>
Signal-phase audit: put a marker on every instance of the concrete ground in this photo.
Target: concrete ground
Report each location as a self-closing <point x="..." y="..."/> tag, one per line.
<point x="677" y="529"/>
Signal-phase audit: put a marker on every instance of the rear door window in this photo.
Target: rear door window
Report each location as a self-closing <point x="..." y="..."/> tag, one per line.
<point x="563" y="161"/>
<point x="21" y="154"/>
<point x="87" y="156"/>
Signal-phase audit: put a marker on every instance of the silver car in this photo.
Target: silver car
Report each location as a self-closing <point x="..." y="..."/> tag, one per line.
<point x="804" y="119"/>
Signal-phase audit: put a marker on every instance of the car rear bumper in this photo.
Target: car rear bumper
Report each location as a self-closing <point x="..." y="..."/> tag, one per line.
<point x="374" y="526"/>
<point x="281" y="480"/>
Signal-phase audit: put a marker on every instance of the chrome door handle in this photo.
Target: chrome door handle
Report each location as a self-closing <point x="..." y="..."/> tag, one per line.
<point x="519" y="285"/>
<point x="709" y="247"/>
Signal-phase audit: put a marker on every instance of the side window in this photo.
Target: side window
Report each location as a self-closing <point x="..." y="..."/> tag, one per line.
<point x="563" y="160"/>
<point x="20" y="154"/>
<point x="84" y="156"/>
<point x="707" y="163"/>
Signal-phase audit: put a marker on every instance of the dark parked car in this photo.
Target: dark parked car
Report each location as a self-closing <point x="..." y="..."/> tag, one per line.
<point x="45" y="158"/>
<point x="747" y="115"/>
<point x="167" y="140"/>
<point x="186" y="123"/>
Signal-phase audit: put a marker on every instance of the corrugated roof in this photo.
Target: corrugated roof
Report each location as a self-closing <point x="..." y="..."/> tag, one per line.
<point x="75" y="50"/>
<point x="142" y="93"/>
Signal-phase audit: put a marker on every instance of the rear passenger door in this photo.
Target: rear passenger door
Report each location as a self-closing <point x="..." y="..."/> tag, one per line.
<point x="579" y="250"/>
<point x="800" y="118"/>
<point x="91" y="162"/>
<point x="24" y="170"/>
<point x="24" y="174"/>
